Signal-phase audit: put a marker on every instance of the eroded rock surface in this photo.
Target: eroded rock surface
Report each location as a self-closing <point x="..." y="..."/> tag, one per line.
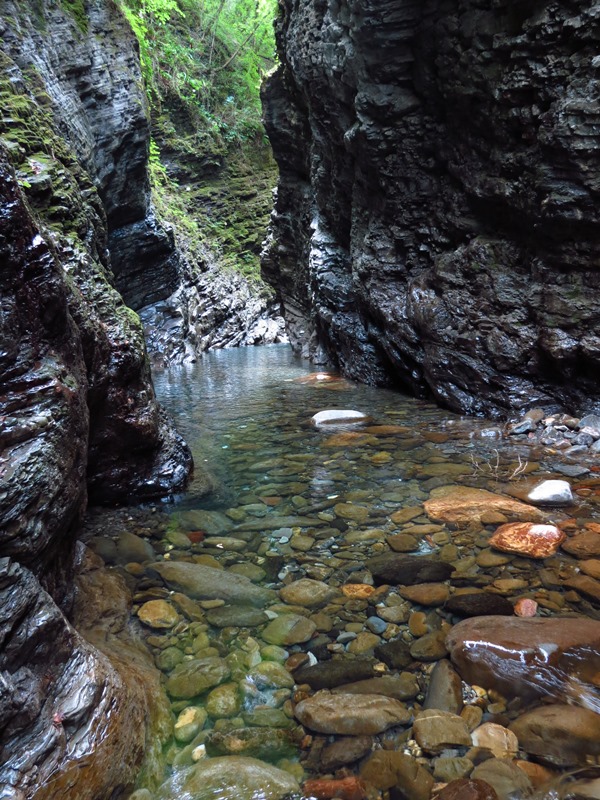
<point x="436" y="223"/>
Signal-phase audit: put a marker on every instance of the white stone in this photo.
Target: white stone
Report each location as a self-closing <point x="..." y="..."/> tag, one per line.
<point x="339" y="416"/>
<point x="552" y="493"/>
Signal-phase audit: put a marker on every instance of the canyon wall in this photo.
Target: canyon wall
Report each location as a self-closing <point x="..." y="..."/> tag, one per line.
<point x="79" y="417"/>
<point x="436" y="226"/>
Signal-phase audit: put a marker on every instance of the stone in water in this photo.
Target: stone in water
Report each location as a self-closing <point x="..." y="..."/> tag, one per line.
<point x="339" y="416"/>
<point x="528" y="539"/>
<point x="551" y="493"/>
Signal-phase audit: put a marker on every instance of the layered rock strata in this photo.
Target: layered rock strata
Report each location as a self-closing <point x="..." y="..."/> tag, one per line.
<point x="78" y="412"/>
<point x="436" y="224"/>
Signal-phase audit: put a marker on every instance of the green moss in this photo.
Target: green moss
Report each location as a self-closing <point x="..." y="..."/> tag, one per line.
<point x="76" y="8"/>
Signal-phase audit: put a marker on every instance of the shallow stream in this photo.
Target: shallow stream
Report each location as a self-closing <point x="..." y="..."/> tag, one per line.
<point x="294" y="501"/>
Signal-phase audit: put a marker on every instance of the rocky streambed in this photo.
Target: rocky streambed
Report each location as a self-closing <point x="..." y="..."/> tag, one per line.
<point x="405" y="606"/>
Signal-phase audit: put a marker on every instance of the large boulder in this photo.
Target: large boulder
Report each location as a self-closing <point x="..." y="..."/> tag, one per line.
<point x="208" y="583"/>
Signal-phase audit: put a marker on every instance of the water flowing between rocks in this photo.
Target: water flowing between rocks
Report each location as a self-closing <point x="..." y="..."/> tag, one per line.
<point x="333" y="617"/>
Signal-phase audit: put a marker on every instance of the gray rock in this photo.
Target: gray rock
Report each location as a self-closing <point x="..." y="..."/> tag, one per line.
<point x="551" y="493"/>
<point x="209" y="583"/>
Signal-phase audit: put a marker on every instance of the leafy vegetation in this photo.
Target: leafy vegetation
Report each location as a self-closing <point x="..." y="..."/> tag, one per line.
<point x="207" y="55"/>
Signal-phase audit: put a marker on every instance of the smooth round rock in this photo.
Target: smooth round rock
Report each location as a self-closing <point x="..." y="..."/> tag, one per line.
<point x="224" y="701"/>
<point x="229" y="778"/>
<point x="350" y="714"/>
<point x="559" y="734"/>
<point x="479" y="604"/>
<point x="328" y="674"/>
<point x="504" y="777"/>
<point x="339" y="416"/>
<point x="158" y="614"/>
<point x="308" y="593"/>
<point x="528" y="539"/>
<point x="500" y="741"/>
<point x="396" y="569"/>
<point x="268" y="744"/>
<point x="289" y="629"/>
<point x="188" y="723"/>
<point x="438" y="730"/>
<point x="551" y="493"/>
<point x="191" y="678"/>
<point x="388" y="770"/>
<point x="236" y="617"/>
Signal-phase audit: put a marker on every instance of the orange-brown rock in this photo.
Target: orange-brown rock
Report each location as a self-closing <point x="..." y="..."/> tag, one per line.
<point x="526" y="657"/>
<point x="348" y="439"/>
<point x="525" y="607"/>
<point x="584" y="545"/>
<point x="352" y="788"/>
<point x="462" y="505"/>
<point x="537" y="774"/>
<point x="588" y="587"/>
<point x="528" y="539"/>
<point x="387" y="430"/>
<point x="358" y="591"/>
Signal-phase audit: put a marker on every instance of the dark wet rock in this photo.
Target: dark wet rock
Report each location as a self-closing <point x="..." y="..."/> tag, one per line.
<point x="389" y="225"/>
<point x="333" y="673"/>
<point x="395" y="654"/>
<point x="525" y="656"/>
<point x="268" y="744"/>
<point x="445" y="689"/>
<point x="208" y="583"/>
<point x="133" y="548"/>
<point x="479" y="604"/>
<point x="345" y="751"/>
<point x="101" y="691"/>
<point x="408" y="570"/>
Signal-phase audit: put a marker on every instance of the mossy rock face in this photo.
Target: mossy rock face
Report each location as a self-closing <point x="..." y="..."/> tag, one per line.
<point x="76" y="8"/>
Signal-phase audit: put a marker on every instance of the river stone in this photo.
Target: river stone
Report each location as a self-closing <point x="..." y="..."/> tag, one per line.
<point x="212" y="523"/>
<point x="191" y="678"/>
<point x="329" y="674"/>
<point x="425" y="594"/>
<point x="289" y="629"/>
<point x="350" y="714"/>
<point x="397" y="569"/>
<point x="188" y="723"/>
<point x="468" y="789"/>
<point x="344" y="751"/>
<point x="236" y="617"/>
<point x="167" y="659"/>
<point x="267" y="718"/>
<point x="229" y="778"/>
<point x="551" y="493"/>
<point x="591" y="567"/>
<point x="158" y="614"/>
<point x="224" y="701"/>
<point x="307" y="592"/>
<point x="253" y="572"/>
<point x="406" y="514"/>
<point x="131" y="547"/>
<point x="528" y="539"/>
<point x="365" y="642"/>
<point x="392" y="770"/>
<point x="559" y="734"/>
<point x="438" y="730"/>
<point x="430" y="647"/>
<point x="584" y="545"/>
<point x="272" y="675"/>
<point x="339" y="416"/>
<point x="479" y="604"/>
<point x="400" y="687"/>
<point x="403" y="543"/>
<point x="507" y="780"/>
<point x="462" y="505"/>
<point x="448" y="768"/>
<point x="522" y="656"/>
<point x="395" y="654"/>
<point x="588" y="587"/>
<point x="444" y="692"/>
<point x="207" y="583"/>
<point x="500" y="741"/>
<point x="352" y="512"/>
<point x="268" y="744"/>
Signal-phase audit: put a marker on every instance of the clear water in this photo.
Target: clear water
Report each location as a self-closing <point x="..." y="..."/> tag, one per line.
<point x="246" y="414"/>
